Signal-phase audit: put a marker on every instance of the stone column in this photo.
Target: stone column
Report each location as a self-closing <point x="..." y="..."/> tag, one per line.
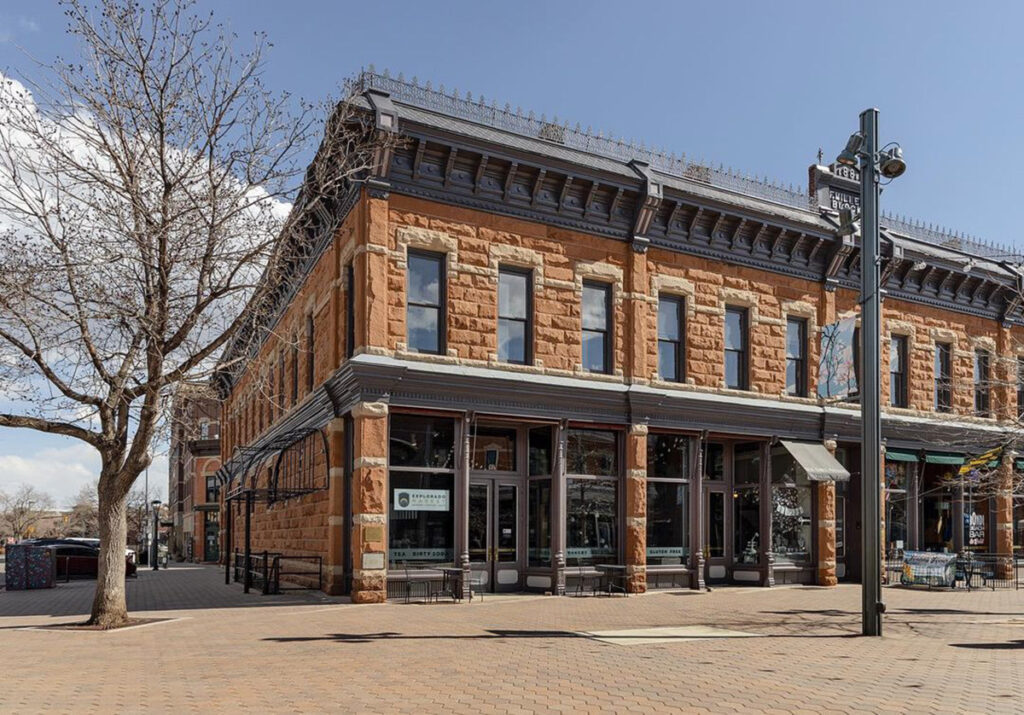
<point x="369" y="502"/>
<point x="636" y="509"/>
<point x="637" y="309"/>
<point x="371" y="276"/>
<point x="1004" y="516"/>
<point x="826" y="492"/>
<point x="334" y="567"/>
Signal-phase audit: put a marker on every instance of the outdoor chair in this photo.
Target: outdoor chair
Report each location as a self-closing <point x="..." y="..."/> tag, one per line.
<point x="422" y="582"/>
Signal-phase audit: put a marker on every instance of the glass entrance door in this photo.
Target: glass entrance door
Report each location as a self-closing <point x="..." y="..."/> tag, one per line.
<point x="715" y="531"/>
<point x="494" y="534"/>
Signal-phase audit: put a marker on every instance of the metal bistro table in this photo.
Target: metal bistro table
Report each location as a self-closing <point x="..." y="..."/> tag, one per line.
<point x="452" y="584"/>
<point x="614" y="576"/>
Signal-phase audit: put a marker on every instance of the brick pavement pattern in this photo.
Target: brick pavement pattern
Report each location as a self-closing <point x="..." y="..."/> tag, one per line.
<point x="942" y="652"/>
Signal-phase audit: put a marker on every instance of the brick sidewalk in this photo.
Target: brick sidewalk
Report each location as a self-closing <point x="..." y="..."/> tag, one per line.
<point x="942" y="651"/>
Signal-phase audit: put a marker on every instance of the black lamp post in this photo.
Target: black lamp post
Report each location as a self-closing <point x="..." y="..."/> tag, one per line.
<point x="154" y="549"/>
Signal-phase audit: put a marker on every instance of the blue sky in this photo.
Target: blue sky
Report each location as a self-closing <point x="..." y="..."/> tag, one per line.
<point x="759" y="86"/>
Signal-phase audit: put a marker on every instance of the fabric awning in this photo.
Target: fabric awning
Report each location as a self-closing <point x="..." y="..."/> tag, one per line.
<point x="1019" y="464"/>
<point x="817" y="461"/>
<point x="899" y="455"/>
<point x="943" y="458"/>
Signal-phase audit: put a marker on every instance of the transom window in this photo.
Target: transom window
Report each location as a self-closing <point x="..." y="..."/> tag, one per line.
<point x="736" y="348"/>
<point x="596" y="333"/>
<point x="796" y="357"/>
<point x="425" y="315"/>
<point x="671" y="328"/>
<point x="898" y="371"/>
<point x="514" y="315"/>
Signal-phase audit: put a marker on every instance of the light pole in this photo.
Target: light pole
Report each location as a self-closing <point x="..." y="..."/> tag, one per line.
<point x="862" y="150"/>
<point x="154" y="551"/>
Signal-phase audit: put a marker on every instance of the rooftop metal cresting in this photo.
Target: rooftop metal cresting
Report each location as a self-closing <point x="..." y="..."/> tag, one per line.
<point x="477" y="109"/>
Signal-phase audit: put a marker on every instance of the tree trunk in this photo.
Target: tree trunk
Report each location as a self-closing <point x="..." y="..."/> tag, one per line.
<point x="109" y="607"/>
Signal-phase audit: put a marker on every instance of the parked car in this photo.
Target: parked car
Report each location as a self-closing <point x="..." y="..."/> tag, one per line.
<point x="76" y="559"/>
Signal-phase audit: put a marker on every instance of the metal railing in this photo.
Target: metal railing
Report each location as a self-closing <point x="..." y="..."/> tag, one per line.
<point x="269" y="570"/>
<point x="974" y="570"/>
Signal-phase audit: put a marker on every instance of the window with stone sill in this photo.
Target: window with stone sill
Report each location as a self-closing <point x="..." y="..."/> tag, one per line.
<point x="737" y="366"/>
<point x="982" y="384"/>
<point x="425" y="309"/>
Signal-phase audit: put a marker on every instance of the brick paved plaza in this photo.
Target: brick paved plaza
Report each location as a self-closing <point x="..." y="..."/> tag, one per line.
<point x="305" y="652"/>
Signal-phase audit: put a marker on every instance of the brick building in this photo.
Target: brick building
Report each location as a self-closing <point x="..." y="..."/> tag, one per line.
<point x="526" y="350"/>
<point x="193" y="487"/>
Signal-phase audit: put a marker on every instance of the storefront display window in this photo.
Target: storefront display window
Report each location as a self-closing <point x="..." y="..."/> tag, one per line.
<point x="419" y="441"/>
<point x="937" y="498"/>
<point x="592" y="452"/>
<point x="592" y="521"/>
<point x="421" y="522"/>
<point x="667" y="499"/>
<point x="976" y="520"/>
<point x="540" y="451"/>
<point x="895" y="508"/>
<point x="592" y="499"/>
<point x="791" y="509"/>
<point x="747" y="503"/>
<point x="421" y="504"/>
<point x="1018" y="524"/>
<point x="539" y="515"/>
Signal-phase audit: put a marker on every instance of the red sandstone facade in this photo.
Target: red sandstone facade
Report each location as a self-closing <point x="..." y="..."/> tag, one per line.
<point x="336" y="368"/>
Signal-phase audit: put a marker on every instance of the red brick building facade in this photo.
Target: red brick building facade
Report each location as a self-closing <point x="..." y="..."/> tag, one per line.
<point x="193" y="487"/>
<point x="534" y="354"/>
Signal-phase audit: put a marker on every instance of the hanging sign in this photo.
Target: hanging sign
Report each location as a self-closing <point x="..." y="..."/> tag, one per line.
<point x="421" y="500"/>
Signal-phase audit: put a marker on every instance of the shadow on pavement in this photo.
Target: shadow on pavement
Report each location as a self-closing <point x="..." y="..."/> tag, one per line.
<point x="1008" y="645"/>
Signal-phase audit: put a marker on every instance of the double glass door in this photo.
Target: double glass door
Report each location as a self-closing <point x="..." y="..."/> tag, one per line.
<point x="494" y="549"/>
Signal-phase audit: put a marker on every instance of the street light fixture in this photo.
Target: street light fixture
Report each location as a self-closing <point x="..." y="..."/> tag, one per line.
<point x="154" y="550"/>
<point x="862" y="150"/>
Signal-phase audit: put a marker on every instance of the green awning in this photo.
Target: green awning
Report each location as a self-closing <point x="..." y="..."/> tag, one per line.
<point x="1019" y="464"/>
<point x="943" y="458"/>
<point x="899" y="455"/>
<point x="993" y="464"/>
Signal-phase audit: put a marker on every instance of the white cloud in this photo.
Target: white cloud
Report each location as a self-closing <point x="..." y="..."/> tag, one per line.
<point x="62" y="471"/>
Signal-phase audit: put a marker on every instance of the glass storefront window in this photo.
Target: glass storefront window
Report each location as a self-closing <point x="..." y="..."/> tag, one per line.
<point x="592" y="452"/>
<point x="791" y="509"/>
<point x="668" y="456"/>
<point x="668" y="540"/>
<point x="716" y="525"/>
<point x="668" y="467"/>
<point x="747" y="520"/>
<point x="841" y="489"/>
<point x="539" y="529"/>
<point x="494" y="449"/>
<point x="895" y="508"/>
<point x="714" y="462"/>
<point x="421" y="441"/>
<point x="746" y="503"/>
<point x="540" y="451"/>
<point x="1018" y="524"/>
<point x="937" y="497"/>
<point x="421" y="523"/>
<point x="976" y="521"/>
<point x="592" y="521"/>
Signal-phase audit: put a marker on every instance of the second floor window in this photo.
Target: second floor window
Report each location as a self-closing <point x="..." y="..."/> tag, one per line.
<point x="736" y="348"/>
<point x="898" y="371"/>
<point x="671" y="358"/>
<point x="943" y="377"/>
<point x="796" y="357"/>
<point x="596" y="337"/>
<point x="425" y="318"/>
<point x="212" y="489"/>
<point x="309" y="352"/>
<point x="1020" y="387"/>
<point x="514" y="310"/>
<point x="982" y="403"/>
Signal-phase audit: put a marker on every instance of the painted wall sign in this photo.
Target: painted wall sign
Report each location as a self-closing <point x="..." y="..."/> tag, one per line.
<point x="421" y="500"/>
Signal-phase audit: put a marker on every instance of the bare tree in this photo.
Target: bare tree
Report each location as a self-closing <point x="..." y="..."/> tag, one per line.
<point x="140" y="210"/>
<point x="22" y="510"/>
<point x="84" y="517"/>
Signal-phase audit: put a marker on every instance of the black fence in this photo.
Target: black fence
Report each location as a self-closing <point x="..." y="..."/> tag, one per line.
<point x="274" y="572"/>
<point x="972" y="571"/>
